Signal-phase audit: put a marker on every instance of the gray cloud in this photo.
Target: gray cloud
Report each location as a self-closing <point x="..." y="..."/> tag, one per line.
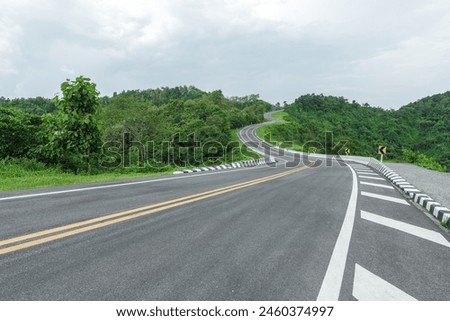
<point x="386" y="53"/>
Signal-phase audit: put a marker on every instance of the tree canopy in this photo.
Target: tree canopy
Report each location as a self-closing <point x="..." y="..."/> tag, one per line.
<point x="420" y="127"/>
<point x="77" y="130"/>
<point x="187" y="126"/>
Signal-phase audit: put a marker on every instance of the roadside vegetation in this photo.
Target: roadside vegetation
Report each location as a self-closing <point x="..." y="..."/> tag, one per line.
<point x="418" y="133"/>
<point x="281" y="115"/>
<point x="22" y="173"/>
<point x="283" y="136"/>
<point x="80" y="137"/>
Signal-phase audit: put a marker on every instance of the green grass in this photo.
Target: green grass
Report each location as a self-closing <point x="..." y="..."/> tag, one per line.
<point x="267" y="131"/>
<point x="45" y="179"/>
<point x="18" y="174"/>
<point x="281" y="115"/>
<point x="241" y="153"/>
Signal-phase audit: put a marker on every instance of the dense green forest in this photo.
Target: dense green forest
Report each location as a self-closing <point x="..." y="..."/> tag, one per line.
<point x="138" y="130"/>
<point x="418" y="132"/>
<point x="156" y="130"/>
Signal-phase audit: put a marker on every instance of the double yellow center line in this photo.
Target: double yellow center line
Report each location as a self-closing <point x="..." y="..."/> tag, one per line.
<point x="45" y="236"/>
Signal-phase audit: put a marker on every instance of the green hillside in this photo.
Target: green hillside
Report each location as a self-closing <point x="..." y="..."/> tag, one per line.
<point x="133" y="132"/>
<point x="44" y="142"/>
<point x="418" y="132"/>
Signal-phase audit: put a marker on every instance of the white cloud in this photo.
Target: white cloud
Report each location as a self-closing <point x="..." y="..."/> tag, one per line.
<point x="136" y="23"/>
<point x="383" y="52"/>
<point x="67" y="71"/>
<point x="9" y="33"/>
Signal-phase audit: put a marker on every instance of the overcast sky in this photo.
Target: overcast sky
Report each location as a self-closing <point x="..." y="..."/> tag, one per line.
<point x="383" y="52"/>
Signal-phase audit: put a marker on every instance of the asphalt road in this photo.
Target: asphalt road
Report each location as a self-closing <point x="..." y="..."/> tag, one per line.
<point x="264" y="233"/>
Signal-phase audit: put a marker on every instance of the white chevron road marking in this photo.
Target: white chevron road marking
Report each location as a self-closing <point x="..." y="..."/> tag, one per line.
<point x="406" y="228"/>
<point x="370" y="177"/>
<point x="377" y="185"/>
<point x="370" y="287"/>
<point x="366" y="173"/>
<point x="385" y="198"/>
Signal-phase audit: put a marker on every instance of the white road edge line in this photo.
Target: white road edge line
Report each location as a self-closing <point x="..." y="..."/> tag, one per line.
<point x="376" y="185"/>
<point x="406" y="228"/>
<point x="370" y="287"/>
<point x="332" y="282"/>
<point x="119" y="185"/>
<point x="385" y="198"/>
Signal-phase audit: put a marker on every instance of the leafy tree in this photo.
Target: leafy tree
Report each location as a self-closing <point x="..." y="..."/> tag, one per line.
<point x="72" y="135"/>
<point x="17" y="132"/>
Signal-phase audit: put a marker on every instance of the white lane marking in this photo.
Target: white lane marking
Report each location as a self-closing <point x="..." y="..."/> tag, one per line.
<point x="332" y="282"/>
<point x="118" y="185"/>
<point x="363" y="171"/>
<point x="406" y="228"/>
<point x="377" y="185"/>
<point x="370" y="177"/>
<point x="385" y="198"/>
<point x="367" y="173"/>
<point x="370" y="287"/>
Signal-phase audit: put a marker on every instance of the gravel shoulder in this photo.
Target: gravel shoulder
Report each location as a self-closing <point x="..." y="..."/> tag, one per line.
<point x="433" y="183"/>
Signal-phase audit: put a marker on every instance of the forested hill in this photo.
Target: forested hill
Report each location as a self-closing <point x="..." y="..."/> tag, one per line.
<point x="428" y="121"/>
<point x="35" y="106"/>
<point x="417" y="132"/>
<point x="35" y="128"/>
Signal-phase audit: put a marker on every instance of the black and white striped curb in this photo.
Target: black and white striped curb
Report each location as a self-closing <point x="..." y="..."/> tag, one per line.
<point x="249" y="163"/>
<point x="436" y="209"/>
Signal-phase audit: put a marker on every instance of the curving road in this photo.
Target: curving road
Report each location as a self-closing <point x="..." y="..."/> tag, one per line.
<point x="316" y="230"/>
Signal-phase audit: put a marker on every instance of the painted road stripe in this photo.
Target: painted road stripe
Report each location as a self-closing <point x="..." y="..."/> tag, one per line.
<point x="377" y="185"/>
<point x="407" y="228"/>
<point x="385" y="198"/>
<point x="370" y="177"/>
<point x="370" y="287"/>
<point x="93" y="224"/>
<point x="332" y="282"/>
